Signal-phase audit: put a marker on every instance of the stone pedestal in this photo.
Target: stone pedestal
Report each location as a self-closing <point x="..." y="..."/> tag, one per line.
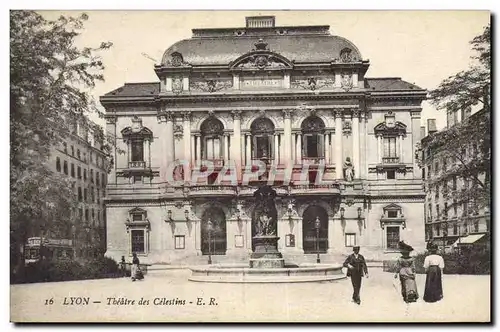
<point x="266" y="254"/>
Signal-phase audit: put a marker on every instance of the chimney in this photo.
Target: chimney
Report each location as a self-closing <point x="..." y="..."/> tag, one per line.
<point x="431" y="126"/>
<point x="260" y="21"/>
<point x="422" y="132"/>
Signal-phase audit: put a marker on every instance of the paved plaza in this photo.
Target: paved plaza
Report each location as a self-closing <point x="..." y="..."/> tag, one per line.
<point x="172" y="298"/>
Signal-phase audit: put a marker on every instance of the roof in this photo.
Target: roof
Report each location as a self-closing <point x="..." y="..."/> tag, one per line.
<point x="298" y="48"/>
<point x="136" y="89"/>
<point x="389" y="84"/>
<point x="469" y="239"/>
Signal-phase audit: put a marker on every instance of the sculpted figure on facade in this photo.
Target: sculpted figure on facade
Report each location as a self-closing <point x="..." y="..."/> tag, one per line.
<point x="346" y="81"/>
<point x="177" y="84"/>
<point x="348" y="170"/>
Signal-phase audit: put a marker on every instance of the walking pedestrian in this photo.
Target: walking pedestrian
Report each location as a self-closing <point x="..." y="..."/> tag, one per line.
<point x="135" y="272"/>
<point x="433" y="265"/>
<point x="405" y="268"/>
<point x="356" y="269"/>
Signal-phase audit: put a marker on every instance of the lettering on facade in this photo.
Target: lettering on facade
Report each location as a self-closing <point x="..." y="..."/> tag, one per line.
<point x="258" y="82"/>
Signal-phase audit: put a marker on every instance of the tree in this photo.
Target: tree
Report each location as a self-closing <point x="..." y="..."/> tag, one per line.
<point x="467" y="145"/>
<point x="50" y="84"/>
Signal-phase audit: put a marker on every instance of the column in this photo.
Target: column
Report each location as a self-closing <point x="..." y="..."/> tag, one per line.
<point x="236" y="141"/>
<point x="355" y="143"/>
<point x="226" y="147"/>
<point x="276" y="149"/>
<point x="299" y="149"/>
<point x="401" y="148"/>
<point x="198" y="148"/>
<point x="362" y="143"/>
<point x="169" y="149"/>
<point x="338" y="145"/>
<point x="327" y="148"/>
<point x="129" y="152"/>
<point x="193" y="150"/>
<point x="282" y="148"/>
<point x="186" y="136"/>
<point x="287" y="153"/>
<point x="379" y="149"/>
<point x="248" y="149"/>
<point x="147" y="153"/>
<point x="293" y="148"/>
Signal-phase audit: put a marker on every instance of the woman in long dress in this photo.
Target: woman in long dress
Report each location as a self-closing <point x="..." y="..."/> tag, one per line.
<point x="433" y="265"/>
<point x="135" y="271"/>
<point x="406" y="271"/>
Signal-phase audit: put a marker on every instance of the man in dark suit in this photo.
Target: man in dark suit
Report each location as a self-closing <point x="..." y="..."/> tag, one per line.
<point x="356" y="269"/>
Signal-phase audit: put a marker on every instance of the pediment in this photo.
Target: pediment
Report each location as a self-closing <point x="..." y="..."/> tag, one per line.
<point x="392" y="206"/>
<point x="261" y="60"/>
<point x="396" y="128"/>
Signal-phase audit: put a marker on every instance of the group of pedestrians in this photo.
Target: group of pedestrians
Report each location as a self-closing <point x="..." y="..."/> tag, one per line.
<point x="405" y="270"/>
<point x="135" y="269"/>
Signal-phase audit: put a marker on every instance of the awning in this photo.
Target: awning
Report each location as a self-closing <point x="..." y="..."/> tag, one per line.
<point x="469" y="239"/>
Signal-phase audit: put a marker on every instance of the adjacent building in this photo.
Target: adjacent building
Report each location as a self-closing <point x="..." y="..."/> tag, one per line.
<point x="81" y="158"/>
<point x="291" y="97"/>
<point x="448" y="222"/>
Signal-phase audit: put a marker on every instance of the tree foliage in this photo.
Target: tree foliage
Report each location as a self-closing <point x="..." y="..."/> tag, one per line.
<point x="50" y="83"/>
<point x="466" y="146"/>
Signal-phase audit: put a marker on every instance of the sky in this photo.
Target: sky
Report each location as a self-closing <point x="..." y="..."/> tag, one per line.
<point x="421" y="47"/>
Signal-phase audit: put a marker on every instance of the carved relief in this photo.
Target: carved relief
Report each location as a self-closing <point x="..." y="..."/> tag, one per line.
<point x="262" y="61"/>
<point x="346" y="127"/>
<point x="210" y="85"/>
<point x="178" y="131"/>
<point x="313" y="83"/>
<point x="346" y="81"/>
<point x="177" y="85"/>
<point x="346" y="55"/>
<point x="175" y="60"/>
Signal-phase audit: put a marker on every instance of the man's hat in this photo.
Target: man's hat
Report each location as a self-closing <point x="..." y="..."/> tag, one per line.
<point x="355" y="248"/>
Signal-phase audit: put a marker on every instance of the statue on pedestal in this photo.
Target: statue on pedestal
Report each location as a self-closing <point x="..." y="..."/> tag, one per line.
<point x="348" y="170"/>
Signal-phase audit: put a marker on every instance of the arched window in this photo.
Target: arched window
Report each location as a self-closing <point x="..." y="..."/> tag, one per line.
<point x="262" y="131"/>
<point x="212" y="145"/>
<point x="58" y="164"/>
<point x="313" y="133"/>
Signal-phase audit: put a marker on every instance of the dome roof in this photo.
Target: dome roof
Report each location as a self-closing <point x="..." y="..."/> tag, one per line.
<point x="299" y="48"/>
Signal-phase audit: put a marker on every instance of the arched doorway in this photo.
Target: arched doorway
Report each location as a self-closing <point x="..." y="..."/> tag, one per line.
<point x="215" y="233"/>
<point x="309" y="230"/>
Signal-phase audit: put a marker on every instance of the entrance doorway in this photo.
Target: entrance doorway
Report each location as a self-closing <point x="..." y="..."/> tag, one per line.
<point x="309" y="233"/>
<point x="215" y="233"/>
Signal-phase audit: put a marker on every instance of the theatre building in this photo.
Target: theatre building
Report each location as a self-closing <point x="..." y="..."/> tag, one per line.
<point x="286" y="96"/>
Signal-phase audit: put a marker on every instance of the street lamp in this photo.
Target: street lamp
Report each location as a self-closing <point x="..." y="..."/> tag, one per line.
<point x="209" y="227"/>
<point x="317" y="225"/>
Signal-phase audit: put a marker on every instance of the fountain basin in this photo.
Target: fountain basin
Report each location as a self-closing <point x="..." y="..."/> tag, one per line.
<point x="244" y="274"/>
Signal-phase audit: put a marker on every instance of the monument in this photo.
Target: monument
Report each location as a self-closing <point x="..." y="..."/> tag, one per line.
<point x="264" y="220"/>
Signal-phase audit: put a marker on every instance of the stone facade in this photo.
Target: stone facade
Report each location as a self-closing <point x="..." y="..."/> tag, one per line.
<point x="260" y="98"/>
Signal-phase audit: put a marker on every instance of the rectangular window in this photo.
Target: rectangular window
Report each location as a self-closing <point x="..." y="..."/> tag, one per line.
<point x="79" y="172"/>
<point x="455" y="208"/>
<point x="92" y="194"/>
<point x="79" y="194"/>
<point x="137" y="237"/>
<point x="350" y="239"/>
<point x="179" y="242"/>
<point x="137" y="151"/>
<point x="213" y="148"/>
<point x="262" y="147"/>
<point x="85" y="194"/>
<point x="86" y="214"/>
<point x="103" y="180"/>
<point x="438" y="230"/>
<point x="84" y="175"/>
<point x="137" y="179"/>
<point x="437" y="191"/>
<point x="391" y="175"/>
<point x="392" y="237"/>
<point x="311" y="146"/>
<point x="137" y="217"/>
<point x="97" y="178"/>
<point x="392" y="214"/>
<point x="438" y="214"/>
<point x="454" y="183"/>
<point x="73" y="170"/>
<point x="455" y="229"/>
<point x="445" y="211"/>
<point x="476" y="226"/>
<point x="390" y="147"/>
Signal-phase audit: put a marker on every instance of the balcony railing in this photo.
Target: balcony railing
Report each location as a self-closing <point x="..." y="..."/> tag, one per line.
<point x="211" y="190"/>
<point x="312" y="160"/>
<point x="390" y="160"/>
<point x="136" y="164"/>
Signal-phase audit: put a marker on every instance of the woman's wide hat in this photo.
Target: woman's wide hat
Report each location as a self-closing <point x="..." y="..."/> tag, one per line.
<point x="405" y="247"/>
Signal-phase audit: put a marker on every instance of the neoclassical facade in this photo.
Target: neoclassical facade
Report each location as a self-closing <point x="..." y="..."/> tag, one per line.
<point x="296" y="100"/>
